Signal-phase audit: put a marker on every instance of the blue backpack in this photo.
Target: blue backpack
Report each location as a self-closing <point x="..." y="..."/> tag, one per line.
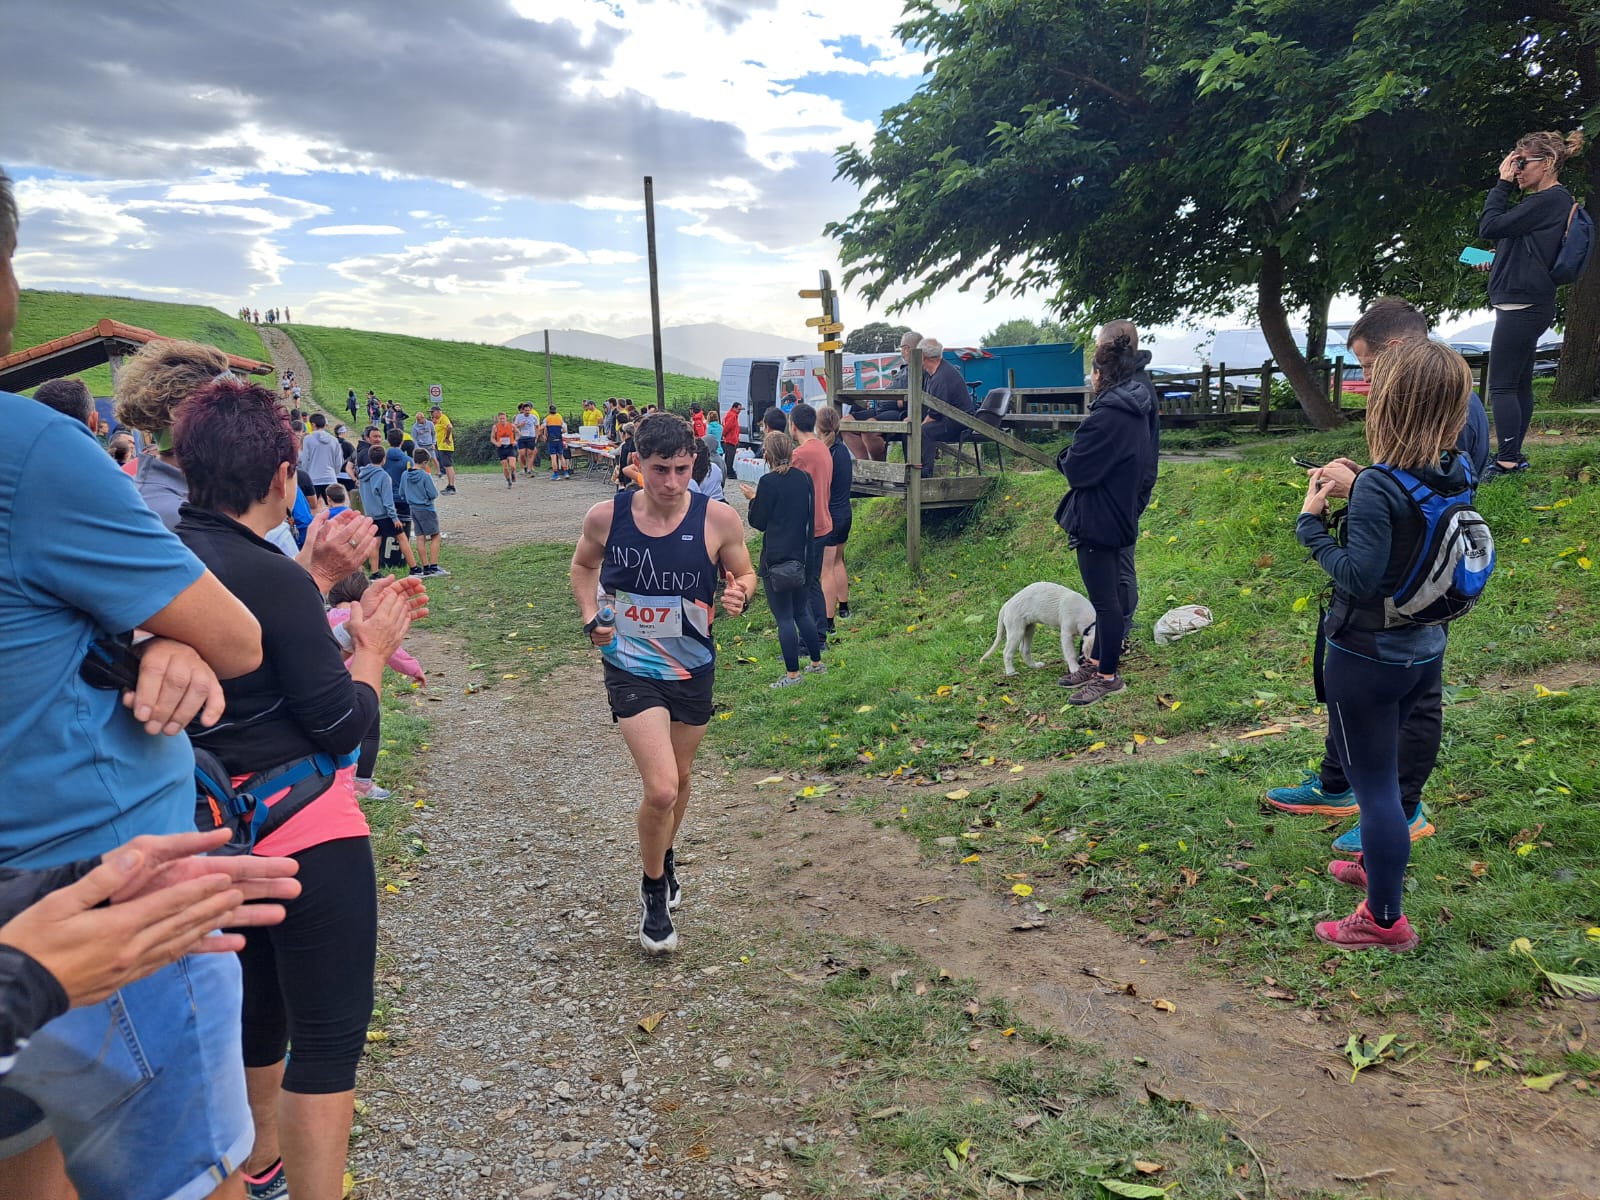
<point x="1452" y="561"/>
<point x="1577" y="244"/>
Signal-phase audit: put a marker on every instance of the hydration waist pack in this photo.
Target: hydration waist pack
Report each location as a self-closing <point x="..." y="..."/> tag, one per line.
<point x="1448" y="569"/>
<point x="243" y="811"/>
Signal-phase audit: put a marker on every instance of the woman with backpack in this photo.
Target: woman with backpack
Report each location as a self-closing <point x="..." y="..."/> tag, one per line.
<point x="1528" y="240"/>
<point x="1378" y="660"/>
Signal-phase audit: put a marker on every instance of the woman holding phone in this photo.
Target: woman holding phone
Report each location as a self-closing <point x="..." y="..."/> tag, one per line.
<point x="1528" y="237"/>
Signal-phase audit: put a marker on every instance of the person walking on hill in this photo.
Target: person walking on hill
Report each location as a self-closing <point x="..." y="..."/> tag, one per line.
<point x="1110" y="467"/>
<point x="320" y="456"/>
<point x="1528" y="238"/>
<point x="353" y="405"/>
<point x="652" y="556"/>
<point x="835" y="575"/>
<point x="812" y="456"/>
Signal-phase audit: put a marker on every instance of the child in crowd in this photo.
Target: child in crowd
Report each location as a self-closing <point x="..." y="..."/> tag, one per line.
<point x="377" y="501"/>
<point x="422" y="493"/>
<point x="341" y="596"/>
<point x="338" y="499"/>
<point x="504" y="437"/>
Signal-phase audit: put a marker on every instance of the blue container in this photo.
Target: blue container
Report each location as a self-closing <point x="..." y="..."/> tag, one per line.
<point x="1056" y="365"/>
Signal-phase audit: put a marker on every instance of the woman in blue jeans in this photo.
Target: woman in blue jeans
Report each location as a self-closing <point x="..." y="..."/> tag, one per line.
<point x="1527" y="237"/>
<point x="781" y="507"/>
<point x="1379" y="663"/>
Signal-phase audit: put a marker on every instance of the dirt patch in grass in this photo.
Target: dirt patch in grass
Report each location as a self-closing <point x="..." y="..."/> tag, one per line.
<point x="1270" y="1068"/>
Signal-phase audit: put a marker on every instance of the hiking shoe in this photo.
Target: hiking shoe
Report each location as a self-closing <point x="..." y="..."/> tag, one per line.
<point x="674" y="890"/>
<point x="1352" y="874"/>
<point x="450" y="490"/>
<point x="1084" y="673"/>
<point x="366" y="789"/>
<point x="1349" y="842"/>
<point x="816" y="668"/>
<point x="783" y="681"/>
<point x="1359" y="931"/>
<point x="272" y="1186"/>
<point x="1097" y="688"/>
<point x="656" y="933"/>
<point x="1309" y="796"/>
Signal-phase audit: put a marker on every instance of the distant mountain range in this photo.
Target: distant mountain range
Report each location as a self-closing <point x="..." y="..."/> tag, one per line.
<point x="686" y="349"/>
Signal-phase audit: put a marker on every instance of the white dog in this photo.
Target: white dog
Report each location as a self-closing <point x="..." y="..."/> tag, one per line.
<point x="1044" y="604"/>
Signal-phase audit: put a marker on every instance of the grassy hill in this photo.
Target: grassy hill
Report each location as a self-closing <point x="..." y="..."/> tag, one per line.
<point x="478" y="380"/>
<point x="46" y="315"/>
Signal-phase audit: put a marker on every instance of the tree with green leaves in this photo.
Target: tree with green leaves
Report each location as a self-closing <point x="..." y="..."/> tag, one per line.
<point x="1020" y="331"/>
<point x="875" y="337"/>
<point x="1146" y="161"/>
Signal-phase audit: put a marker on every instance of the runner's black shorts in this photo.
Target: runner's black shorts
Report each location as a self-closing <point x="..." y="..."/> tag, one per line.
<point x="527" y="443"/>
<point x="686" y="700"/>
<point x="388" y="527"/>
<point x="446" y="458"/>
<point x="842" y="517"/>
<point x="506" y="451"/>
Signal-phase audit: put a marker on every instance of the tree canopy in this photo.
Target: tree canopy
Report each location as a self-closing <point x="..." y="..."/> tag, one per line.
<point x="875" y="337"/>
<point x="1139" y="160"/>
<point x="1020" y="331"/>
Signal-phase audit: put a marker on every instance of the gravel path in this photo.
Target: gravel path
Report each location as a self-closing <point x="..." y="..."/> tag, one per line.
<point x="511" y="982"/>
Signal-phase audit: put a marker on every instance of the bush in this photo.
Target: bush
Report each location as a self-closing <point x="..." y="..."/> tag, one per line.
<point x="474" y="442"/>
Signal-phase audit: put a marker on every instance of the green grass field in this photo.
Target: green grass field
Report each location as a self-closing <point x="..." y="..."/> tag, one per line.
<point x="478" y="380"/>
<point x="45" y="315"/>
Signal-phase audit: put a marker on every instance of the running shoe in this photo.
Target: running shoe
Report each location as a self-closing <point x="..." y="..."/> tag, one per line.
<point x="1098" y="688"/>
<point x="366" y="789"/>
<point x="1309" y="796"/>
<point x="274" y="1185"/>
<point x="674" y="890"/>
<point x="1078" y="678"/>
<point x="816" y="668"/>
<point x="1359" y="931"/>
<point x="450" y="490"/>
<point x="1494" y="470"/>
<point x="436" y="569"/>
<point x="1351" y="874"/>
<point x="656" y="933"/>
<point x="783" y="681"/>
<point x="1349" y="842"/>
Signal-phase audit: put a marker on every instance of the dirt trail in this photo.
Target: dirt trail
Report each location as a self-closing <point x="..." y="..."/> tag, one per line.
<point x="510" y="984"/>
<point x="286" y="357"/>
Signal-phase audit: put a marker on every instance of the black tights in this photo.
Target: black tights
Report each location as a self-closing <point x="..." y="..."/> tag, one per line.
<point x="791" y="612"/>
<point x="1107" y="589"/>
<point x="1511" y="353"/>
<point x="368" y="762"/>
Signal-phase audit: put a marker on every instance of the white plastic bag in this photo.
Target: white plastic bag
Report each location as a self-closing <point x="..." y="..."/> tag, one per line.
<point x="1181" y="622"/>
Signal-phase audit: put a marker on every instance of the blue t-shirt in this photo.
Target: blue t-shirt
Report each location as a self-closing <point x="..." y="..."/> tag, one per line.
<point x="81" y="776"/>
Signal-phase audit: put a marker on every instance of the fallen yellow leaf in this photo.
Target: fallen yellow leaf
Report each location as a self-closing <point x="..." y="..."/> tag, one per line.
<point x="1255" y="733"/>
<point x="769" y="779"/>
<point x="1166" y="1006"/>
<point x="1018" y="769"/>
<point x="377" y="1035"/>
<point x="649" y="1022"/>
<point x="1543" y="692"/>
<point x="349" y="1185"/>
<point x="958" y="794"/>
<point x="972" y="858"/>
<point x="1021" y="889"/>
<point x="1093" y="746"/>
<point x="1584" y="563"/>
<point x="863" y="708"/>
<point x="944" y="689"/>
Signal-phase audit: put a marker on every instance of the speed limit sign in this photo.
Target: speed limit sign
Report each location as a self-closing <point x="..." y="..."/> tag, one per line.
<point x="435" y="392"/>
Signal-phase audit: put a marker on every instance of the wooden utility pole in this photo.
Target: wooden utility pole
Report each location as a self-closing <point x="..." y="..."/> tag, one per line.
<point x="549" y="387"/>
<point x="655" y="288"/>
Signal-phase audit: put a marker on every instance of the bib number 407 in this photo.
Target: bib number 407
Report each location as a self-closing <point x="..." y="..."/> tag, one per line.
<point x="647" y="616"/>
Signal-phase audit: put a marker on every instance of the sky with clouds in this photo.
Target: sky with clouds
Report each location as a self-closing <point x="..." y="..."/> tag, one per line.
<point x="469" y="170"/>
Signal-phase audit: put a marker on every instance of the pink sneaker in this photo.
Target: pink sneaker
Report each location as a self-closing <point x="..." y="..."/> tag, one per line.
<point x="1350" y="873"/>
<point x="1359" y="931"/>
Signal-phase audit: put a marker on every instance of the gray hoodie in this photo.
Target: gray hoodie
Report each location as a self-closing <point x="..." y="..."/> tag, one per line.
<point x="162" y="487"/>
<point x="377" y="492"/>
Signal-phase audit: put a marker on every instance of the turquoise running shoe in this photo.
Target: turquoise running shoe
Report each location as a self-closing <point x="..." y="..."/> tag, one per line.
<point x="1308" y="797"/>
<point x="1349" y="842"/>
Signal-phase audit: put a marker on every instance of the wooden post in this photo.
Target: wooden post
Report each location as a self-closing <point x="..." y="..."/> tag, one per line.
<point x="549" y="388"/>
<point x="1222" y="389"/>
<point x="914" y="462"/>
<point x="1483" y="378"/>
<point x="655" y="289"/>
<point x="1264" y="417"/>
<point x="1205" y="386"/>
<point x="1337" y="383"/>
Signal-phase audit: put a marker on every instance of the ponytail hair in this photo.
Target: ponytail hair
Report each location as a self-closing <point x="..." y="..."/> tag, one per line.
<point x="1115" y="362"/>
<point x="1553" y="145"/>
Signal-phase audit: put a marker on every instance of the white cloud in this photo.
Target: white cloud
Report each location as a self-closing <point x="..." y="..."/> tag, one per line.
<point x="354" y="230"/>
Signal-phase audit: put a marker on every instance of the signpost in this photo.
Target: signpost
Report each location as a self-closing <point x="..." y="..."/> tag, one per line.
<point x="828" y="327"/>
<point x="435" y="394"/>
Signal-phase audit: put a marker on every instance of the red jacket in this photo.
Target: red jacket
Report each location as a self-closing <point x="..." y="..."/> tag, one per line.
<point x="697" y="421"/>
<point x="730" y="428"/>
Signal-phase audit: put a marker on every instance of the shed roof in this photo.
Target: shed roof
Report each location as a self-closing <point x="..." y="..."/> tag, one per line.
<point x="74" y="352"/>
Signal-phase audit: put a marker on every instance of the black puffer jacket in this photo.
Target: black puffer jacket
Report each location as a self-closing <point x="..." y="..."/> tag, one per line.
<point x="1111" y="465"/>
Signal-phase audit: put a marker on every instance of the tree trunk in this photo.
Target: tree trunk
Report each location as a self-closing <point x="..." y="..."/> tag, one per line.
<point x="1579" y="375"/>
<point x="1317" y="326"/>
<point x="1275" y="326"/>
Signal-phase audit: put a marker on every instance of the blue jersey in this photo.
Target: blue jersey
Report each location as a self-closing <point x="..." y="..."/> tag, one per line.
<point x="661" y="589"/>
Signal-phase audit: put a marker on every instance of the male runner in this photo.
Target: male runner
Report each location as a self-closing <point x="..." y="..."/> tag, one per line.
<point x="656" y="552"/>
<point x="527" y="423"/>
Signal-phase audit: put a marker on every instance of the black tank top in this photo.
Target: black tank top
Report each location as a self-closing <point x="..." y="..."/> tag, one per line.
<point x="661" y="589"/>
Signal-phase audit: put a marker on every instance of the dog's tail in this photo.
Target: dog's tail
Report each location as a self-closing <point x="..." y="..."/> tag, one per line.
<point x="999" y="634"/>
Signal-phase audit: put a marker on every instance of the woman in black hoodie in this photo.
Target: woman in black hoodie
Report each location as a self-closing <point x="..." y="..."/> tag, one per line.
<point x="1111" y="465"/>
<point x="1528" y="238"/>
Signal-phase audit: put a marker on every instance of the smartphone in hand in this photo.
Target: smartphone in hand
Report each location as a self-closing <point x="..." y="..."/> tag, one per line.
<point x="1310" y="465"/>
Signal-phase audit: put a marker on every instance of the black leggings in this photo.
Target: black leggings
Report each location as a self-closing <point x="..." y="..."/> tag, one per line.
<point x="1368" y="703"/>
<point x="730" y="452"/>
<point x="308" y="981"/>
<point x="1511" y="353"/>
<point x="791" y="611"/>
<point x="1107" y="588"/>
<point x="1420" y="734"/>
<point x="819" y="607"/>
<point x="368" y="762"/>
